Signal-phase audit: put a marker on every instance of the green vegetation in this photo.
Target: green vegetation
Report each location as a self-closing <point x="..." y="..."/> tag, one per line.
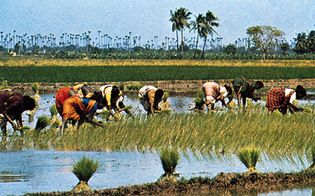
<point x="227" y="132"/>
<point x="265" y="38"/>
<point x="169" y="159"/>
<point x="84" y="170"/>
<point x="147" y="73"/>
<point x="249" y="157"/>
<point x="42" y="123"/>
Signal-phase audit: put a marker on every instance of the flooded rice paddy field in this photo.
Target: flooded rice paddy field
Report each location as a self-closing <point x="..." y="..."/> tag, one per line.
<point x="46" y="171"/>
<point x="179" y="104"/>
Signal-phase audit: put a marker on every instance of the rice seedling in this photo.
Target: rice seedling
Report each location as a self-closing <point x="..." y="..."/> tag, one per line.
<point x="249" y="157"/>
<point x="35" y="87"/>
<point x="199" y="101"/>
<point x="169" y="159"/>
<point x="42" y="123"/>
<point x="84" y="169"/>
<point x="277" y="136"/>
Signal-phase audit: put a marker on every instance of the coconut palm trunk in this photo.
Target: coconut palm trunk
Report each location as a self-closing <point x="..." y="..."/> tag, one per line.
<point x="182" y="42"/>
<point x="177" y="40"/>
<point x="196" y="46"/>
<point x="203" y="48"/>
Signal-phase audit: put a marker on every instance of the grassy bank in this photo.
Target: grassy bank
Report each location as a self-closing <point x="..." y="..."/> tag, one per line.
<point x="147" y="73"/>
<point x="33" y="61"/>
<point x="204" y="133"/>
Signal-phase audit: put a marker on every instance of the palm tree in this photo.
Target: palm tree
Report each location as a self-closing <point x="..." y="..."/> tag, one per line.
<point x="175" y="24"/>
<point x="184" y="16"/>
<point x="198" y="26"/>
<point x="211" y="22"/>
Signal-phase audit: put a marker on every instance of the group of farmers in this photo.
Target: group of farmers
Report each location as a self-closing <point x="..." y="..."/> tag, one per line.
<point x="79" y="103"/>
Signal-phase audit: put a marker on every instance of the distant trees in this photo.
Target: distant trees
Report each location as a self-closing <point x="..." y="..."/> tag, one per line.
<point x="264" y="37"/>
<point x="204" y="26"/>
<point x="179" y="19"/>
<point x="305" y="43"/>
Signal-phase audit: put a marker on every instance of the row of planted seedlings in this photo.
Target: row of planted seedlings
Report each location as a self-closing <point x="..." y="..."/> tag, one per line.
<point x="84" y="168"/>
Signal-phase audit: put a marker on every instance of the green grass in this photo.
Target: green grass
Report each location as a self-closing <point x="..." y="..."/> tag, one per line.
<point x="203" y="133"/>
<point x="147" y="73"/>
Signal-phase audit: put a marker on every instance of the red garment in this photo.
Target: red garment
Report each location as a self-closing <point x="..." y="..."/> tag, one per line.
<point x="61" y="96"/>
<point x="276" y="99"/>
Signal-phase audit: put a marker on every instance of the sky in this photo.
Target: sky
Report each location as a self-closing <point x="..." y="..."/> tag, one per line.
<point x="151" y="17"/>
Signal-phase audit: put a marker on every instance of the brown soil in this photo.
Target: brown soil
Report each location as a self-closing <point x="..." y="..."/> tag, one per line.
<point x="223" y="183"/>
<point x="173" y="86"/>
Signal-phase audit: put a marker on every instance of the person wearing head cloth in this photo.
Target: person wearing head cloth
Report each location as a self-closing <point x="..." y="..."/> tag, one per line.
<point x="79" y="110"/>
<point x="214" y="92"/>
<point x="245" y="89"/>
<point x="283" y="98"/>
<point x="64" y="93"/>
<point x="150" y="97"/>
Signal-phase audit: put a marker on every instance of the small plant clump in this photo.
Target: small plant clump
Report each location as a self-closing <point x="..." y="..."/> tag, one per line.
<point x="84" y="170"/>
<point x="35" y="87"/>
<point x="249" y="157"/>
<point x="42" y="123"/>
<point x="169" y="159"/>
<point x="199" y="101"/>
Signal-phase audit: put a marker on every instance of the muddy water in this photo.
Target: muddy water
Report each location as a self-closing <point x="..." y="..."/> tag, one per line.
<point x="179" y="104"/>
<point x="44" y="171"/>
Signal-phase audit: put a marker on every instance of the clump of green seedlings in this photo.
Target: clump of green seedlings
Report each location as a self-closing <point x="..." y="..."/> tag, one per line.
<point x="42" y="123"/>
<point x="84" y="169"/>
<point x="169" y="159"/>
<point x="54" y="120"/>
<point x="199" y="101"/>
<point x="249" y="157"/>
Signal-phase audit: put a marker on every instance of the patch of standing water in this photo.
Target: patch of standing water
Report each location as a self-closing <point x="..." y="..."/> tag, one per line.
<point x="47" y="171"/>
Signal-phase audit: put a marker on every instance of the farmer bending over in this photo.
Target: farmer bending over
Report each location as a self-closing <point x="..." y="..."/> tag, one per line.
<point x="214" y="92"/>
<point x="244" y="89"/>
<point x="282" y="98"/>
<point x="150" y="97"/>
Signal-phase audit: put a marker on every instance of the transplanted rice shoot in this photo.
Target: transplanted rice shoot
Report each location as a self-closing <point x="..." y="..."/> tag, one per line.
<point x="42" y="123"/>
<point x="169" y="159"/>
<point x="84" y="170"/>
<point x="249" y="157"/>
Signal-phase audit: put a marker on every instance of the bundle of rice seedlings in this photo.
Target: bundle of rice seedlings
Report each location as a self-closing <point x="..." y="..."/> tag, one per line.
<point x="35" y="87"/>
<point x="199" y="101"/>
<point x="42" y="123"/>
<point x="249" y="157"/>
<point x="165" y="96"/>
<point x="84" y="170"/>
<point x="169" y="159"/>
<point x="53" y="110"/>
